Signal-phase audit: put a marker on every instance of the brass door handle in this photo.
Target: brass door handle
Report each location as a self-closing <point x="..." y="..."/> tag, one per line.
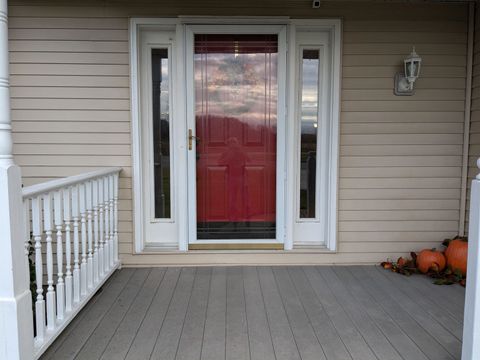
<point x="191" y="137"/>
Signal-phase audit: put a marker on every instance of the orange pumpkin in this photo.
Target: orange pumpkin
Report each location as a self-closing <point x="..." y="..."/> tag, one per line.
<point x="457" y="253"/>
<point x="430" y="259"/>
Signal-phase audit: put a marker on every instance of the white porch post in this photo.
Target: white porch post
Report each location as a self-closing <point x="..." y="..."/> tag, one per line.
<point x="471" y="324"/>
<point x="16" y="326"/>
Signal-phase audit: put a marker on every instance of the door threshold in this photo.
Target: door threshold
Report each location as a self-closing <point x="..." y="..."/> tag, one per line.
<point x="237" y="246"/>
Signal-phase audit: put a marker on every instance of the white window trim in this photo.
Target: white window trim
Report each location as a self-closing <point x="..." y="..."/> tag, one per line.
<point x="138" y="164"/>
<point x="334" y="26"/>
<point x="328" y="234"/>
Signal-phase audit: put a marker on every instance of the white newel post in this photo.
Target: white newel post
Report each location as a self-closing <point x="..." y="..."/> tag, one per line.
<point x="471" y="324"/>
<point x="16" y="326"/>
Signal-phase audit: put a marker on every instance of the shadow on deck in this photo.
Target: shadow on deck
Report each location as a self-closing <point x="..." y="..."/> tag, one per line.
<point x="209" y="313"/>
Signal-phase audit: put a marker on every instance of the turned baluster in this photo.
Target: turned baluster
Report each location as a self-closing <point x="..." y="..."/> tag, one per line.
<point x="83" y="233"/>
<point x="95" y="230"/>
<point x="68" y="251"/>
<point x="111" y="207"/>
<point x="58" y="212"/>
<point x="101" y="247"/>
<point x="47" y="224"/>
<point x="88" y="187"/>
<point x="106" y="207"/>
<point x="115" y="209"/>
<point x="37" y="238"/>
<point x="27" y="237"/>
<point x="76" y="250"/>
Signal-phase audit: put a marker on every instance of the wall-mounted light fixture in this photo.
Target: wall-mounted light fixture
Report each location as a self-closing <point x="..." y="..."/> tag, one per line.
<point x="404" y="82"/>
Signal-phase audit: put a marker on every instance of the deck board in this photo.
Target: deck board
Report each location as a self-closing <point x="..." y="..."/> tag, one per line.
<point x="214" y="334"/>
<point x="399" y="340"/>
<point x="74" y="343"/>
<point x="327" y="334"/>
<point x="283" y="340"/>
<point x="166" y="346"/>
<point x="372" y="334"/>
<point x="144" y="342"/>
<point x="450" y="298"/>
<point x="351" y="336"/>
<point x="190" y="346"/>
<point x="429" y="323"/>
<point x="383" y="295"/>
<point x="237" y="346"/>
<point x="260" y="340"/>
<point x="119" y="344"/>
<point x="265" y="313"/>
<point x="100" y="337"/>
<point x="308" y="345"/>
<point x="448" y="321"/>
<point x="48" y="354"/>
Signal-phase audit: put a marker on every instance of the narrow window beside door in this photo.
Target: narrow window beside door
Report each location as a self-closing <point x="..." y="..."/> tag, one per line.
<point x="161" y="136"/>
<point x="308" y="133"/>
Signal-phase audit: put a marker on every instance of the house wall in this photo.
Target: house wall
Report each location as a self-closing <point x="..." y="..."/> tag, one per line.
<point x="400" y="164"/>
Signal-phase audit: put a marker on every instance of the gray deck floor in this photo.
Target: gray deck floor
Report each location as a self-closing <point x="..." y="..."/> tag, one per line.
<point x="288" y="313"/>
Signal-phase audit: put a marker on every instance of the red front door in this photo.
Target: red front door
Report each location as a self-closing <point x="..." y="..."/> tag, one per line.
<point x="236" y="116"/>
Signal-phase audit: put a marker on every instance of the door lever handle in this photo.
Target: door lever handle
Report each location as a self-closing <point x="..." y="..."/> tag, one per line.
<point x="191" y="137"/>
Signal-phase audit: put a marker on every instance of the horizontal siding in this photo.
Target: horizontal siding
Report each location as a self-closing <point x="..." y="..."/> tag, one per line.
<point x="400" y="157"/>
<point x="353" y="10"/>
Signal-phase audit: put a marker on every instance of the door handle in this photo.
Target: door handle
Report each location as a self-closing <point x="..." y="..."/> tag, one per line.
<point x="191" y="137"/>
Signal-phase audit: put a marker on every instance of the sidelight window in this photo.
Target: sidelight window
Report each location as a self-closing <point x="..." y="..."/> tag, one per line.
<point x="308" y="131"/>
<point x="161" y="132"/>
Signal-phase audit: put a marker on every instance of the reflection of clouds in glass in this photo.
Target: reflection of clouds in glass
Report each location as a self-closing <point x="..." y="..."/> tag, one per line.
<point x="309" y="106"/>
<point x="308" y="140"/>
<point x="164" y="103"/>
<point x="242" y="86"/>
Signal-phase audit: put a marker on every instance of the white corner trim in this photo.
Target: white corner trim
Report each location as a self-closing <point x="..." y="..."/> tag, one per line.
<point x="467" y="119"/>
<point x="471" y="323"/>
<point x="135" y="128"/>
<point x="332" y="214"/>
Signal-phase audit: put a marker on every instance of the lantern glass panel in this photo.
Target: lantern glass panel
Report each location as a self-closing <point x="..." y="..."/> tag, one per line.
<point x="412" y="68"/>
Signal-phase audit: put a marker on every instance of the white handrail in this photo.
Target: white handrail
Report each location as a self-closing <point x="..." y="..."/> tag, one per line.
<point x="37" y="189"/>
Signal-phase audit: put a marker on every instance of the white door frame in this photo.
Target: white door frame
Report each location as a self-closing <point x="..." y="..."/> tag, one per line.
<point x="326" y="228"/>
<point x="286" y="155"/>
<point x="178" y="128"/>
<point x="155" y="228"/>
<point x="281" y="31"/>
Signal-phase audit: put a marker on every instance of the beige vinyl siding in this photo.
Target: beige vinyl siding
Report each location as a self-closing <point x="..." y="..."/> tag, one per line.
<point x="400" y="157"/>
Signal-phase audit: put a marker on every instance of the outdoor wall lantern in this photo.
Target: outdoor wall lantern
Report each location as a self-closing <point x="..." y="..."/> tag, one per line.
<point x="404" y="82"/>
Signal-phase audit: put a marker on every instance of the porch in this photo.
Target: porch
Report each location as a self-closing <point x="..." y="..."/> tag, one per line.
<point x="391" y="176"/>
<point x="339" y="312"/>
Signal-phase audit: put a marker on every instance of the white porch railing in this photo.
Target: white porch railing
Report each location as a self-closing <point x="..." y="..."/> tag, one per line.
<point x="72" y="227"/>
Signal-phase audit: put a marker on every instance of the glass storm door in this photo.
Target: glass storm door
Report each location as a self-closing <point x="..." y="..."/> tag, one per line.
<point x="235" y="142"/>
